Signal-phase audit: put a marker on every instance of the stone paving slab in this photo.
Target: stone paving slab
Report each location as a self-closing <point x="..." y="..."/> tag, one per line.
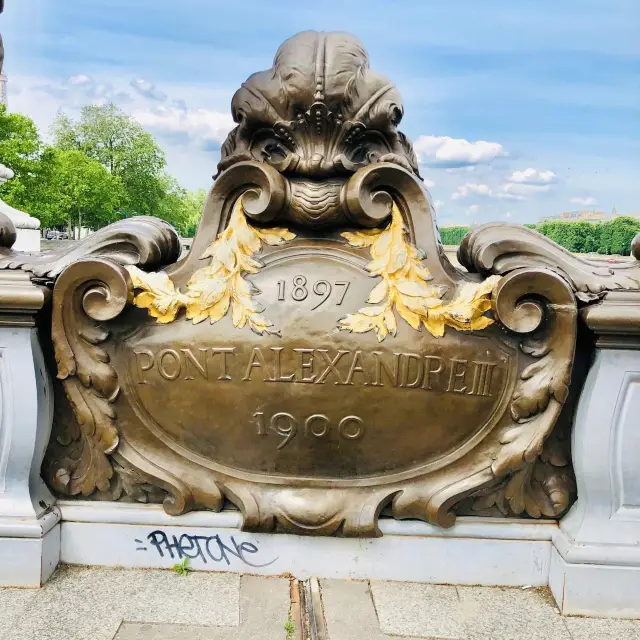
<point x="438" y="612"/>
<point x="139" y="631"/>
<point x="349" y="610"/>
<point x="603" y="629"/>
<point x="81" y="603"/>
<point x="165" y="598"/>
<point x="419" y="610"/>
<point x="76" y="603"/>
<point x="12" y="603"/>
<point x="264" y="609"/>
<point x="508" y="613"/>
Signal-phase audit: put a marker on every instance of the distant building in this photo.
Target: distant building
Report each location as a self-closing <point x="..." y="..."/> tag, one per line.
<point x="578" y="216"/>
<point x="588" y="216"/>
<point x="633" y="214"/>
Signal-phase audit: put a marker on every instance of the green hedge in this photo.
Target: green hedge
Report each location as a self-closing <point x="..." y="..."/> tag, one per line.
<point x="453" y="235"/>
<point x="608" y="238"/>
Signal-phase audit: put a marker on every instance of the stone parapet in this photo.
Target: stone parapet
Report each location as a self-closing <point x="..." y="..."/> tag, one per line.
<point x="29" y="529"/>
<point x="595" y="568"/>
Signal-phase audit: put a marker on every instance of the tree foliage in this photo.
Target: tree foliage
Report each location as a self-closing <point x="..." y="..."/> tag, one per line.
<point x="20" y="143"/>
<point x="124" y="148"/>
<point x="579" y="237"/>
<point x="194" y="205"/>
<point x="74" y="190"/>
<point x="101" y="167"/>
<point x="453" y="235"/>
<point x="182" y="207"/>
<point x="608" y="238"/>
<point x="20" y="149"/>
<point x="616" y="236"/>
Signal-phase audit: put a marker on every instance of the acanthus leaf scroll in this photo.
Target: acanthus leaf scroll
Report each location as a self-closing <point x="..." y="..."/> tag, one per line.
<point x="91" y="287"/>
<point x="86" y="293"/>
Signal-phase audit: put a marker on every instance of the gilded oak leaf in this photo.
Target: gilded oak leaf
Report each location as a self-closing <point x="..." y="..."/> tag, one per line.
<point x="158" y="296"/>
<point x="215" y="289"/>
<point x="405" y="288"/>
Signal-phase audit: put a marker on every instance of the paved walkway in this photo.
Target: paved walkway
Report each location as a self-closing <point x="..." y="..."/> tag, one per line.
<point x="82" y="603"/>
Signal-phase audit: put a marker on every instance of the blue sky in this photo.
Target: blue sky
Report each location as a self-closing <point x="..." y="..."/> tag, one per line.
<point x="518" y="109"/>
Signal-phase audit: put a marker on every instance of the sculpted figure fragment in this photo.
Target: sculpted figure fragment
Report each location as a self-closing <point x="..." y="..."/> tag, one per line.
<point x="315" y="358"/>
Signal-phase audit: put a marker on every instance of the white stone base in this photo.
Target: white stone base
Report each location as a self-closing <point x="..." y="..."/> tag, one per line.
<point x="28" y="240"/>
<point x="29" y="561"/>
<point x="595" y="580"/>
<point x="476" y="551"/>
<point x="595" y="590"/>
<point x="595" y="568"/>
<point x="27" y="227"/>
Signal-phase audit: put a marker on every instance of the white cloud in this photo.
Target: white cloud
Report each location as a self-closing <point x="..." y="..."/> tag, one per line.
<point x="508" y="191"/>
<point x="521" y="190"/>
<point x="80" y="79"/>
<point x="443" y="151"/>
<point x="532" y="176"/>
<point x="455" y="170"/>
<point x="585" y="202"/>
<point x="148" y="89"/>
<point x="438" y="203"/>
<point x="507" y="214"/>
<point x="523" y="184"/>
<point x="204" y="127"/>
<point x="428" y="183"/>
<point x="78" y="90"/>
<point x="501" y="195"/>
<point x="470" y="188"/>
<point x="473" y="209"/>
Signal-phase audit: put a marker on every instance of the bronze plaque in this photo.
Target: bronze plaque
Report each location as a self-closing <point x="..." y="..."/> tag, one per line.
<point x="315" y="357"/>
<point x="314" y="401"/>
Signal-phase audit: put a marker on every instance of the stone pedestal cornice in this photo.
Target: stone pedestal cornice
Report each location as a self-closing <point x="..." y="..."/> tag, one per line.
<point x="615" y="320"/>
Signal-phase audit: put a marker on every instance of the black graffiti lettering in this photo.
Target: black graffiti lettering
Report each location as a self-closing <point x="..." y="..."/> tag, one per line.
<point x="188" y="544"/>
<point x="159" y="539"/>
<point x="203" y="547"/>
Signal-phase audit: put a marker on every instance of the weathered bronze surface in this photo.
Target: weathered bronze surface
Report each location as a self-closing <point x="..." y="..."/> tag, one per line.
<point x="315" y="358"/>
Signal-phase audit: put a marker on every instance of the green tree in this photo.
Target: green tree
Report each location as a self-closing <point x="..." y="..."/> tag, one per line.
<point x="120" y="144"/>
<point x="74" y="190"/>
<point x="180" y="207"/>
<point x="453" y="235"/>
<point x="171" y="206"/>
<point x="194" y="206"/>
<point x="20" y="149"/>
<point x="102" y="167"/>
<point x="616" y="236"/>
<point x="579" y="237"/>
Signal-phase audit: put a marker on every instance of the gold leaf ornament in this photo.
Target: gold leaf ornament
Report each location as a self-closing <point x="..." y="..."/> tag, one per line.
<point x="213" y="290"/>
<point x="405" y="288"/>
<point x="159" y="295"/>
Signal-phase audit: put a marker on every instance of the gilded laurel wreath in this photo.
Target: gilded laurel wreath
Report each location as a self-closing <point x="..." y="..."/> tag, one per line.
<point x="404" y="286"/>
<point x="213" y="290"/>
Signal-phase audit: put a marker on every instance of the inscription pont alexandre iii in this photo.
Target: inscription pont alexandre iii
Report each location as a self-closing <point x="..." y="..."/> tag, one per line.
<point x="318" y="366"/>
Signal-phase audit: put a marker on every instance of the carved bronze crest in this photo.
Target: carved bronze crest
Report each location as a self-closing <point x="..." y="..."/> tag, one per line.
<point x="315" y="357"/>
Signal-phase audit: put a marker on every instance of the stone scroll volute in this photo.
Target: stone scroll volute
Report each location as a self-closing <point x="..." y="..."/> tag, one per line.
<point x="315" y="358"/>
